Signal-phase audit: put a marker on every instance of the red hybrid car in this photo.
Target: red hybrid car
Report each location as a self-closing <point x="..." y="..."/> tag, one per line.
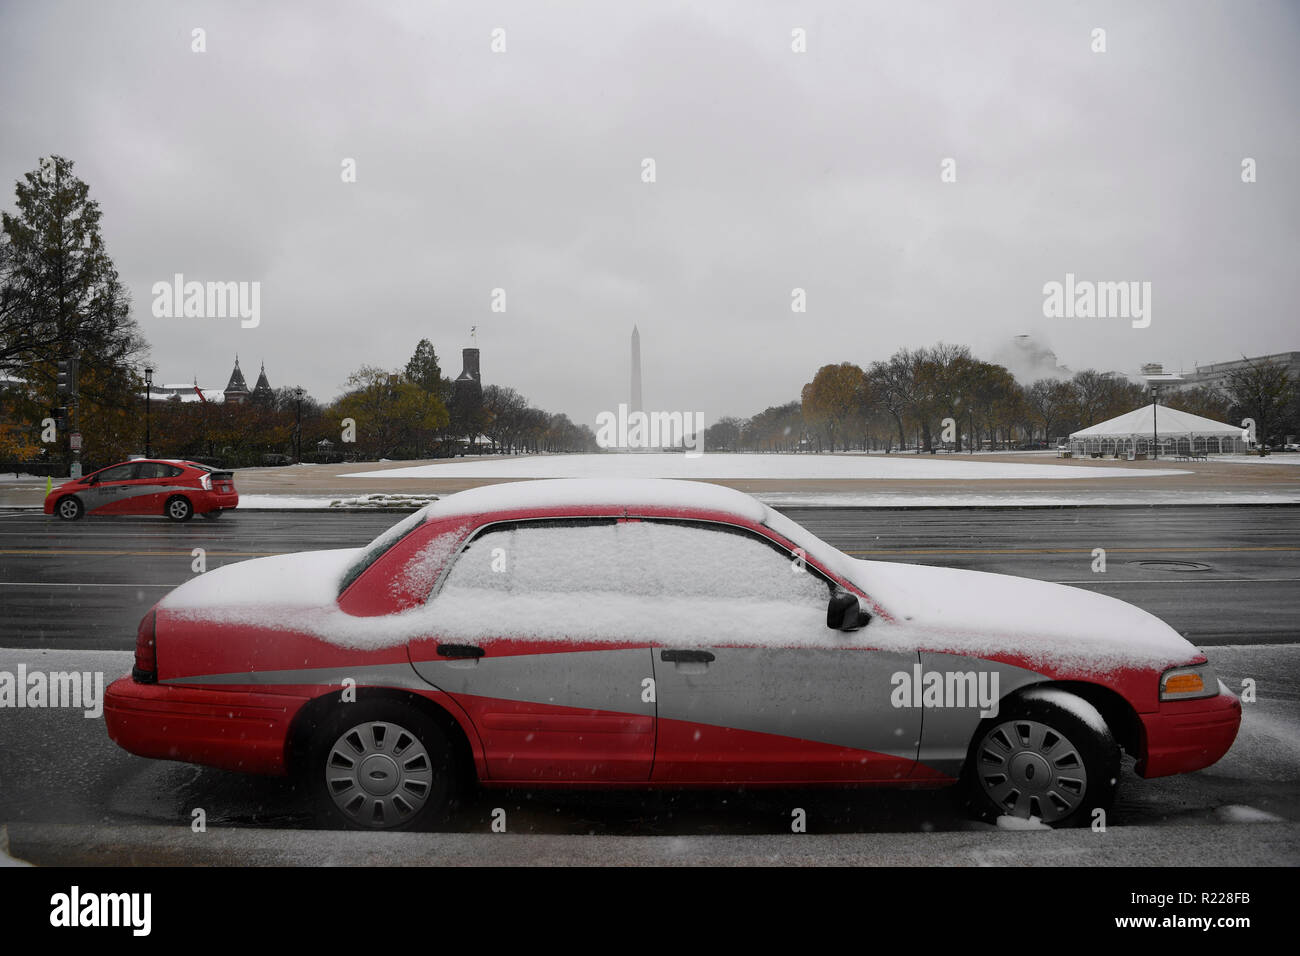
<point x="633" y="634"/>
<point x="146" y="486"/>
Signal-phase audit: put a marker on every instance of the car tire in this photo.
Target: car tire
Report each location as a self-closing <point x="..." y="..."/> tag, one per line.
<point x="178" y="508"/>
<point x="381" y="765"/>
<point x="69" y="508"/>
<point x="1049" y="755"/>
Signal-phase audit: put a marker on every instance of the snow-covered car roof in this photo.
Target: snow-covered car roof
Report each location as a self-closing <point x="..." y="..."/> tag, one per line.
<point x="620" y="493"/>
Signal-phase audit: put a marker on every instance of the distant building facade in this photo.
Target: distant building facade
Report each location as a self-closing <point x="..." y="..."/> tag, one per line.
<point x="1217" y="375"/>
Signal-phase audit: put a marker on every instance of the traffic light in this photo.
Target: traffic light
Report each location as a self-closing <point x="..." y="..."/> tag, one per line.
<point x="60" y="415"/>
<point x="66" y="383"/>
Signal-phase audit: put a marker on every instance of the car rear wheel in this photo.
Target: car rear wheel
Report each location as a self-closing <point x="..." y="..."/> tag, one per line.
<point x="179" y="509"/>
<point x="69" y="508"/>
<point x="380" y="765"/>
<point x="1049" y="756"/>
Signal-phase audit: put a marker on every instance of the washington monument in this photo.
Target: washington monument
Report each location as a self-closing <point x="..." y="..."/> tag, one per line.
<point x="635" y="404"/>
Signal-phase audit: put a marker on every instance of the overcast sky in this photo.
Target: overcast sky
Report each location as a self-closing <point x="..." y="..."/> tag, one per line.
<point x="774" y="170"/>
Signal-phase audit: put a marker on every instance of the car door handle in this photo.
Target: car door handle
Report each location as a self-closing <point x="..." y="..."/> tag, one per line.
<point x="686" y="657"/>
<point x="460" y="650"/>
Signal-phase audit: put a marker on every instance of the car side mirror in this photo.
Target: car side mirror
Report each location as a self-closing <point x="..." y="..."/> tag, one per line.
<point x="844" y="613"/>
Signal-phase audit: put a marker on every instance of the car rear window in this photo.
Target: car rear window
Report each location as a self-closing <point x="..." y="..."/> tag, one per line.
<point x="377" y="548"/>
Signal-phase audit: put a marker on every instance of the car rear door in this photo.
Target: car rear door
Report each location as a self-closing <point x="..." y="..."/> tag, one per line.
<point x="755" y="688"/>
<point x="517" y="642"/>
<point x="153" y="483"/>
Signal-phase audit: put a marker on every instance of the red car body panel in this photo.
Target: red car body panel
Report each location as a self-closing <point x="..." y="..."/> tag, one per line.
<point x="228" y="693"/>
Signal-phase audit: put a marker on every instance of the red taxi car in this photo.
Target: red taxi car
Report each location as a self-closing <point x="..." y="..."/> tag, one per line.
<point x="146" y="486"/>
<point x="634" y="634"/>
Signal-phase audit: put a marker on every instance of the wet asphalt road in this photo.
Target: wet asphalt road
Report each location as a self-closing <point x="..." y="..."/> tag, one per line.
<point x="1225" y="575"/>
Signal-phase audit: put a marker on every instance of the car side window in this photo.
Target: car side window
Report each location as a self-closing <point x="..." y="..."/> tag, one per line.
<point x="729" y="564"/>
<point x="117" y="473"/>
<point x="550" y="557"/>
<point x="156" y="469"/>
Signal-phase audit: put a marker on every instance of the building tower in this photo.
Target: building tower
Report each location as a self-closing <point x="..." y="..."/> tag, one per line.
<point x="636" y="405"/>
<point x="237" y="389"/>
<point x="467" y="398"/>
<point x="262" y="390"/>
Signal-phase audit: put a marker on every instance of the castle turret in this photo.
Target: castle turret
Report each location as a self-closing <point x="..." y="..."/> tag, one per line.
<point x="237" y="388"/>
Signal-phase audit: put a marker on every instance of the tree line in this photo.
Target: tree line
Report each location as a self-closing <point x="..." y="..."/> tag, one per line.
<point x="944" y="397"/>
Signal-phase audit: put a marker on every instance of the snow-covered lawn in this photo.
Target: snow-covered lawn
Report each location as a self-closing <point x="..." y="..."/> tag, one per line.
<point x="372" y="501"/>
<point x="658" y="465"/>
<point x="1287" y="459"/>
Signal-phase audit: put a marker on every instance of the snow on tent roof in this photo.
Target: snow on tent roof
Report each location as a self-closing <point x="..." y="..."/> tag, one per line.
<point x="1142" y="422"/>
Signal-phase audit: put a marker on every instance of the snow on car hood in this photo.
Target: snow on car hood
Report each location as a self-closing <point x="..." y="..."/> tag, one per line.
<point x="975" y="612"/>
<point x="305" y="579"/>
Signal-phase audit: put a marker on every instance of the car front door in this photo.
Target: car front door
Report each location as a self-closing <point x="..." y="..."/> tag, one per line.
<point x="755" y="688"/>
<point x="517" y="641"/>
<point x="112" y="490"/>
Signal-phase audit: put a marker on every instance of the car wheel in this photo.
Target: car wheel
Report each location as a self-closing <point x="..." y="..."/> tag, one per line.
<point x="179" y="509"/>
<point x="379" y="765"/>
<point x="69" y="508"/>
<point x="1050" y="755"/>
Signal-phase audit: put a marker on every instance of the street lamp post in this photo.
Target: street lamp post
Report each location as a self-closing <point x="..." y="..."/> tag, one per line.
<point x="148" y="401"/>
<point x="1156" y="377"/>
<point x="1155" y="430"/>
<point x="297" y="431"/>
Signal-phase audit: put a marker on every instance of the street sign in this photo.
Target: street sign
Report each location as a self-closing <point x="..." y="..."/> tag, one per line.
<point x="75" y="441"/>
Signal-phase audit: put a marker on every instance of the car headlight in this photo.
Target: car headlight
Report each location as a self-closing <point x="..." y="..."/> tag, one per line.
<point x="1187" y="683"/>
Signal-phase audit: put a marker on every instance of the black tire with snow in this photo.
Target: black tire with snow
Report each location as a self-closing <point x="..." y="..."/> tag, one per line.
<point x="1048" y="754"/>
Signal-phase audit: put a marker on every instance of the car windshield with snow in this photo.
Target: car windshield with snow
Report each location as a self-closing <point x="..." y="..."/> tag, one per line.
<point x="656" y="634"/>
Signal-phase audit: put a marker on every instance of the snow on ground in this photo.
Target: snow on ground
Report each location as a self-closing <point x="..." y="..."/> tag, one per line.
<point x="1292" y="459"/>
<point x="884" y="499"/>
<point x="384" y="501"/>
<point x="659" y="465"/>
<point x="1011" y="499"/>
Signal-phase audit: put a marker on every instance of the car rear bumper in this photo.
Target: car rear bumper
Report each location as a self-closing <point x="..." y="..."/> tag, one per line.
<point x="1188" y="735"/>
<point x="233" y="730"/>
<point x="217" y="501"/>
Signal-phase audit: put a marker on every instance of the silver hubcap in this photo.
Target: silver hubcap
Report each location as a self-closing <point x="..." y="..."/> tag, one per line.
<point x="379" y="774"/>
<point x="68" y="509"/>
<point x="1029" y="769"/>
<point x="179" y="509"/>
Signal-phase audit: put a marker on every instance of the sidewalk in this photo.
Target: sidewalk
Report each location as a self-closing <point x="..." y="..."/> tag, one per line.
<point x="1259" y="844"/>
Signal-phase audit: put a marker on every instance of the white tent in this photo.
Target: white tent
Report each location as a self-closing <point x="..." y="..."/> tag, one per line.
<point x="1179" y="433"/>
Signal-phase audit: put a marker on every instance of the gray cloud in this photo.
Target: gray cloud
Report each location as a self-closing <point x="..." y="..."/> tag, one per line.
<point x="775" y="170"/>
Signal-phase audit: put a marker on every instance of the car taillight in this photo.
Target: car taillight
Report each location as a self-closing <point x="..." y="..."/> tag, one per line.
<point x="206" y="482"/>
<point x="145" y="670"/>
